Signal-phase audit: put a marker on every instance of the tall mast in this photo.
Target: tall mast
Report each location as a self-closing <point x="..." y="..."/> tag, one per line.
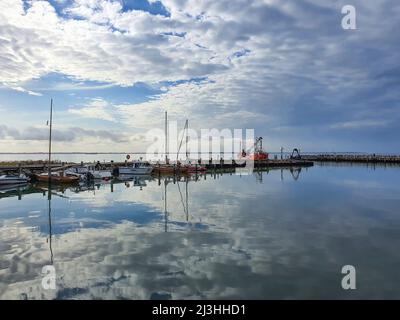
<point x="187" y="138"/>
<point x="51" y="126"/>
<point x="166" y="137"/>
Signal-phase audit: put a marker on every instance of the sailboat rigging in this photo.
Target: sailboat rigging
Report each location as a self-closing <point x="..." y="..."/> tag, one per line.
<point x="50" y="176"/>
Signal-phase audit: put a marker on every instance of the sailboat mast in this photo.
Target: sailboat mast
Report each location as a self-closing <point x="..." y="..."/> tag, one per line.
<point x="166" y="137"/>
<point x="51" y="126"/>
<point x="187" y="138"/>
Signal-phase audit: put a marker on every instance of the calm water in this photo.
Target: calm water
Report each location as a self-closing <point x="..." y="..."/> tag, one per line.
<point x="281" y="235"/>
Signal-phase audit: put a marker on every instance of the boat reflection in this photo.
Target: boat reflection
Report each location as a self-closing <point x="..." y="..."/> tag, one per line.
<point x="49" y="239"/>
<point x="15" y="191"/>
<point x="134" y="181"/>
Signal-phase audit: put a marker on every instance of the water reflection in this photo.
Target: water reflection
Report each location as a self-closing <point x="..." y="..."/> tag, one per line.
<point x="274" y="234"/>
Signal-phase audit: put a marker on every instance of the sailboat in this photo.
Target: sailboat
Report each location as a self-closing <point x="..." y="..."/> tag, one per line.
<point x="191" y="168"/>
<point x="167" y="168"/>
<point x="56" y="177"/>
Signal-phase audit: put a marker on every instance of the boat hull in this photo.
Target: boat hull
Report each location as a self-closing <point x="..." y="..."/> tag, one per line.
<point x="170" y="170"/>
<point x="102" y="175"/>
<point x="135" y="171"/>
<point x="55" y="179"/>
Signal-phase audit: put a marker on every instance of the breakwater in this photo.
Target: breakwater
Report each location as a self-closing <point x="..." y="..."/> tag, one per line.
<point x="360" y="158"/>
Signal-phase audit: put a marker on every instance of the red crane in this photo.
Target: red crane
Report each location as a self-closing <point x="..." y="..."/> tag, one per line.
<point x="256" y="152"/>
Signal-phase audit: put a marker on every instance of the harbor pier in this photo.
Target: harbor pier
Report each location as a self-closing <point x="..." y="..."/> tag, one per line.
<point x="34" y="168"/>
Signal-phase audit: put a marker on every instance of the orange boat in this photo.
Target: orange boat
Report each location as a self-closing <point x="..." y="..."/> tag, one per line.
<point x="169" y="169"/>
<point x="56" y="178"/>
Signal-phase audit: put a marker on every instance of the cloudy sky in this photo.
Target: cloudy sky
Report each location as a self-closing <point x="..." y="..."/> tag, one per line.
<point x="285" y="68"/>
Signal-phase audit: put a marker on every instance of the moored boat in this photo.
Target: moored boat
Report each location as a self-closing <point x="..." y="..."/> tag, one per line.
<point x="56" y="177"/>
<point x="170" y="169"/>
<point x="136" y="168"/>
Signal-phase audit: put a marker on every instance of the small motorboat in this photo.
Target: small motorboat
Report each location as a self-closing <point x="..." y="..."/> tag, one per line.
<point x="56" y="177"/>
<point x="136" y="168"/>
<point x="13" y="179"/>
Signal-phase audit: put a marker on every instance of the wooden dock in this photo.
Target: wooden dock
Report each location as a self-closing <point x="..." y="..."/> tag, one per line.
<point x="32" y="168"/>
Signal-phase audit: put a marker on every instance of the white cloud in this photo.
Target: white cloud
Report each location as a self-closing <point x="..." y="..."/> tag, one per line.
<point x="20" y="89"/>
<point x="96" y="109"/>
<point x="38" y="41"/>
